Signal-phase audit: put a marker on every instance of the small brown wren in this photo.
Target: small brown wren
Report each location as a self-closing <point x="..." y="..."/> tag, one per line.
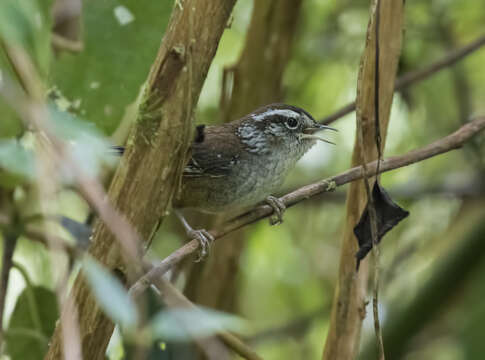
<point x="236" y="165"/>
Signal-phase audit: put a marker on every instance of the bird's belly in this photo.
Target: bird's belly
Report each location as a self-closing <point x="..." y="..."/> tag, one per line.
<point x="263" y="181"/>
<point x="247" y="185"/>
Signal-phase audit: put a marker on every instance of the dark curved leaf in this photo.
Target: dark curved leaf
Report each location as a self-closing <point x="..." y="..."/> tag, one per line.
<point x="389" y="214"/>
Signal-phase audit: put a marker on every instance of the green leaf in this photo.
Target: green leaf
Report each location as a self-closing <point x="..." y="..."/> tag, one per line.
<point x="111" y="295"/>
<point x="26" y="24"/>
<point x="10" y="124"/>
<point x="182" y="324"/>
<point x="16" y="163"/>
<point x="121" y="42"/>
<point x="89" y="147"/>
<point x="32" y="323"/>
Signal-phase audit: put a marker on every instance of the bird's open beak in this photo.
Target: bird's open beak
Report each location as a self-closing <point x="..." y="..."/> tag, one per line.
<point x="309" y="133"/>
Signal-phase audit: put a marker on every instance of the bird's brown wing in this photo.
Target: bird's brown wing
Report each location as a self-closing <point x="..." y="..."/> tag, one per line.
<point x="216" y="155"/>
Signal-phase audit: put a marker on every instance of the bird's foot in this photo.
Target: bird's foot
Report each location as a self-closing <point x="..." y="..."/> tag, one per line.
<point x="278" y="209"/>
<point x="205" y="240"/>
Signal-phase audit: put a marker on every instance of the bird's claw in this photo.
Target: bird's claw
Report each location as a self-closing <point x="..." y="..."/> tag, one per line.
<point x="205" y="240"/>
<point x="278" y="209"/>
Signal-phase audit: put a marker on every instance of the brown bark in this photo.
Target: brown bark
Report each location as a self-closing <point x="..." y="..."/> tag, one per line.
<point x="348" y="310"/>
<point x="257" y="80"/>
<point x="149" y="173"/>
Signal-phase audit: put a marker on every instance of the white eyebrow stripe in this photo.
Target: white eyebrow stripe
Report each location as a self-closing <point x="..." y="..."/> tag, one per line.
<point x="283" y="112"/>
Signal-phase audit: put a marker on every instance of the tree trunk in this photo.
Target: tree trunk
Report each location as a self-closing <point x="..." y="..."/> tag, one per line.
<point x="157" y="145"/>
<point x="348" y="309"/>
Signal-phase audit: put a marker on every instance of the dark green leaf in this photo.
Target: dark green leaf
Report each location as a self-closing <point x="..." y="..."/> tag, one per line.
<point x="121" y="41"/>
<point x="31" y="324"/>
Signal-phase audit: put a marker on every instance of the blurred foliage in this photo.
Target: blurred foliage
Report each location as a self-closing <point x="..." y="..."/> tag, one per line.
<point x="31" y="324"/>
<point x="17" y="162"/>
<point x="25" y="24"/>
<point x="111" y="295"/>
<point x="121" y="40"/>
<point x="288" y="271"/>
<point x="183" y="324"/>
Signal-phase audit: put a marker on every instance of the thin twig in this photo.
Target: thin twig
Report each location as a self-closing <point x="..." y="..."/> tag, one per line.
<point x="443" y="145"/>
<point x="372" y="208"/>
<point x="412" y="77"/>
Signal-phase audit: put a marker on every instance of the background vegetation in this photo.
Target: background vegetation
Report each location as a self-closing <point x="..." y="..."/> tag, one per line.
<point x="93" y="62"/>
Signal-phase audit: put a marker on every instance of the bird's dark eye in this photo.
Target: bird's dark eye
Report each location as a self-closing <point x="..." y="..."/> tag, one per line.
<point x="292" y="123"/>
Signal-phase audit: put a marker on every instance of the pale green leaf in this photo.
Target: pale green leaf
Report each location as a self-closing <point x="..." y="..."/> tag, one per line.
<point x="111" y="295"/>
<point x="16" y="163"/>
<point x="183" y="323"/>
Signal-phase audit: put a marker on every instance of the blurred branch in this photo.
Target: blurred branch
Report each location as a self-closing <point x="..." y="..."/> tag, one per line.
<point x="40" y="237"/>
<point x="31" y="108"/>
<point x="294" y="328"/>
<point x="415" y="76"/>
<point x="62" y="43"/>
<point x="67" y="25"/>
<point x="443" y="145"/>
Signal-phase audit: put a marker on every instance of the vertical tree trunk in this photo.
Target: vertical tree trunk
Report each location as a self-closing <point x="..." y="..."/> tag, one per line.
<point x="348" y="309"/>
<point x="149" y="172"/>
<point x="257" y="80"/>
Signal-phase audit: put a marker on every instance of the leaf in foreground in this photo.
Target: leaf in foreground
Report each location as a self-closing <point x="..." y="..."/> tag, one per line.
<point x="181" y="324"/>
<point x="111" y="295"/>
<point x="31" y="324"/>
<point x="16" y="163"/>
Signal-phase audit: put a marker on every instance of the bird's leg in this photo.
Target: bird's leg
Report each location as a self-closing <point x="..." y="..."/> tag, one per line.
<point x="204" y="237"/>
<point x="278" y="209"/>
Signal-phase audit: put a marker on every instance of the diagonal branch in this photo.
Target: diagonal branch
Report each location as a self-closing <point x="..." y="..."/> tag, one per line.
<point x="443" y="145"/>
<point x="412" y="77"/>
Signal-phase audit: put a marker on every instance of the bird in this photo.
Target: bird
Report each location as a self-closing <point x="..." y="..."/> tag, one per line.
<point x="236" y="165"/>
